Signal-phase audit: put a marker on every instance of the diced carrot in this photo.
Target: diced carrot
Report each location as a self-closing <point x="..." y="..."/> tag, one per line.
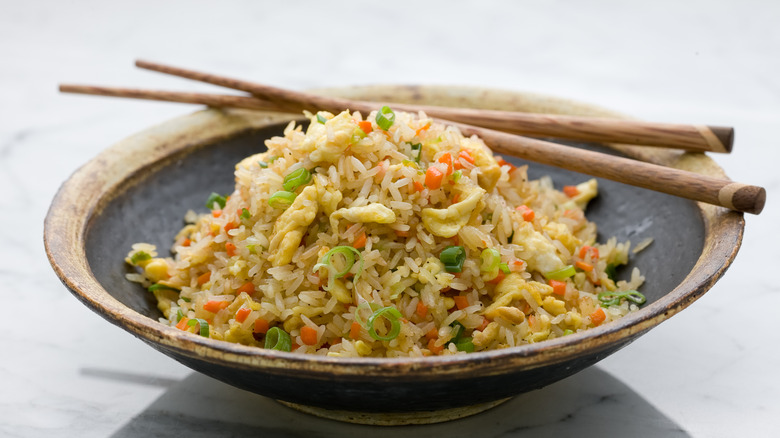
<point x="204" y="278"/>
<point x="484" y="324"/>
<point x="559" y="287"/>
<point x="365" y="126"/>
<point x="570" y="191"/>
<point x="187" y="242"/>
<point x="526" y="212"/>
<point x="589" y="249"/>
<point x="337" y="341"/>
<point x="461" y="301"/>
<point x="261" y="326"/>
<point x="382" y="166"/>
<point x="401" y="233"/>
<point x="242" y="314"/>
<point x="247" y="287"/>
<point x="498" y="278"/>
<point x="516" y="265"/>
<point x="503" y="162"/>
<point x="532" y="321"/>
<point x="456" y="198"/>
<point x="422" y="309"/>
<point x="182" y="324"/>
<point x="354" y="330"/>
<point x="418" y="187"/>
<point x="308" y="335"/>
<point x="455" y="241"/>
<point x="294" y="346"/>
<point x="419" y="130"/>
<point x="215" y="306"/>
<point x="432" y="333"/>
<point x="433" y="178"/>
<point x="360" y="241"/>
<point x="598" y="316"/>
<point x="433" y="347"/>
<point x="465" y="156"/>
<point x="587" y="267"/>
<point x="216" y="213"/>
<point x="230" y="248"/>
<point x="446" y="158"/>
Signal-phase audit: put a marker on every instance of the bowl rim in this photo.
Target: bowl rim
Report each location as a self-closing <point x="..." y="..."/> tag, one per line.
<point x="93" y="185"/>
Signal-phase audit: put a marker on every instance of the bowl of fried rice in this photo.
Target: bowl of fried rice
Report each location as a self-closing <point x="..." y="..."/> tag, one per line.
<point x="379" y="268"/>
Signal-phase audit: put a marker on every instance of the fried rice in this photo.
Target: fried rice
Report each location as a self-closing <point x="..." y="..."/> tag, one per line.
<point x="388" y="236"/>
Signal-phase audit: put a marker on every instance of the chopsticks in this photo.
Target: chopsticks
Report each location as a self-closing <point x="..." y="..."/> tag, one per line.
<point x="722" y="192"/>
<point x="699" y="138"/>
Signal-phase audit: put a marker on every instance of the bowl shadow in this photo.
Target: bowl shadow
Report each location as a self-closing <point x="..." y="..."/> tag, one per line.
<point x="590" y="403"/>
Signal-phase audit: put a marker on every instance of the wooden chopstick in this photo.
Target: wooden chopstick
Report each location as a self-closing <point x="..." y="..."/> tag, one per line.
<point x="699" y="138"/>
<point x="722" y="192"/>
<point x="215" y="100"/>
<point x="717" y="191"/>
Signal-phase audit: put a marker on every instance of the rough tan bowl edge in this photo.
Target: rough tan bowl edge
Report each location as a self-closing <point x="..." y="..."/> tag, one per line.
<point x="77" y="201"/>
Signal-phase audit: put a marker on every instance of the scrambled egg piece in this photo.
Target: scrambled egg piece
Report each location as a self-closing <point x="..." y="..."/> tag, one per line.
<point x="483" y="158"/>
<point x="540" y="254"/>
<point x="291" y="225"/>
<point x="587" y="191"/>
<point x="510" y="289"/>
<point x="373" y="212"/>
<point x="329" y="198"/>
<point x="328" y="141"/>
<point x="446" y="222"/>
<point x="561" y="233"/>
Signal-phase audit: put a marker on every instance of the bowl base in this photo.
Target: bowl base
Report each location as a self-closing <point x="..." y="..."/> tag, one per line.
<point x="395" y="418"/>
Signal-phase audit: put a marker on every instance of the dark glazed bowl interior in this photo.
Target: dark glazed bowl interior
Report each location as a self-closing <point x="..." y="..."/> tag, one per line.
<point x="110" y="204"/>
<point x="151" y="209"/>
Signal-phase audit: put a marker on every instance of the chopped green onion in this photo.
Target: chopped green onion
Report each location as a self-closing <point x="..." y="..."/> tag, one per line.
<point x="140" y="256"/>
<point x="611" y="271"/>
<point x="272" y="159"/>
<point x="215" y="197"/>
<point x="416" y="147"/>
<point x="456" y="175"/>
<point x="561" y="274"/>
<point x="391" y="314"/>
<point x="263" y="164"/>
<point x="635" y="297"/>
<point x="321" y="118"/>
<point x="568" y="332"/>
<point x="185" y="299"/>
<point x="158" y="286"/>
<point x="251" y="248"/>
<point x="278" y="339"/>
<point x="349" y="254"/>
<point x="457" y="331"/>
<point x="179" y="314"/>
<point x="296" y="178"/>
<point x="465" y="344"/>
<point x="385" y="118"/>
<point x="608" y="298"/>
<point x="491" y="260"/>
<point x="204" y="326"/>
<point x="504" y="268"/>
<point x="365" y="305"/>
<point x="245" y="214"/>
<point x="453" y="258"/>
<point x="281" y="199"/>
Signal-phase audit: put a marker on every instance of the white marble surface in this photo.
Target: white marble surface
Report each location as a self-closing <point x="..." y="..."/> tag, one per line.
<point x="710" y="371"/>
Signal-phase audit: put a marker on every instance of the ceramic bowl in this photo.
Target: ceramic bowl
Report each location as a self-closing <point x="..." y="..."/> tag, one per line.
<point x="139" y="190"/>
